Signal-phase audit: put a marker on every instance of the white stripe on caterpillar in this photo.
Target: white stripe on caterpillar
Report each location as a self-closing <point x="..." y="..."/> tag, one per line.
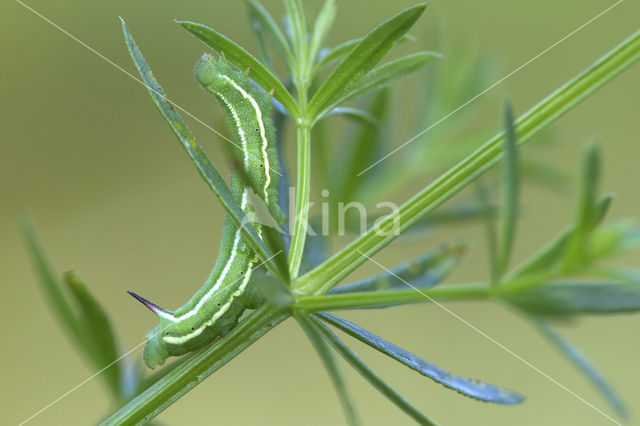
<point x="263" y="134"/>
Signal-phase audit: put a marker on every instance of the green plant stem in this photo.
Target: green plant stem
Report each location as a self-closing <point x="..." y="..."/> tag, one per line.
<point x="326" y="276"/>
<point x="198" y="367"/>
<point x="303" y="192"/>
<point x="392" y="297"/>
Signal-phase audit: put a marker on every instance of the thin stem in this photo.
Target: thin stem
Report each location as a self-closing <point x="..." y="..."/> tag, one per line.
<point x="198" y="367"/>
<point x="303" y="192"/>
<point x="368" y="299"/>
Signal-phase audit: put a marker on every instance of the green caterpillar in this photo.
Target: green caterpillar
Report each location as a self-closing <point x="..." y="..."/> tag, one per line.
<point x="215" y="309"/>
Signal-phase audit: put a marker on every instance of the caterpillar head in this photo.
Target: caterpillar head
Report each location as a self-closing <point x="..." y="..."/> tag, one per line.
<point x="155" y="352"/>
<point x="209" y="69"/>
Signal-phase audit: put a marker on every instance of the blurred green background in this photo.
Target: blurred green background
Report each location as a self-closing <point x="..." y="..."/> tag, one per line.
<point x="114" y="198"/>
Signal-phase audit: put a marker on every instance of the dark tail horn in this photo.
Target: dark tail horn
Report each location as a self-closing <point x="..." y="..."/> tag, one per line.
<point x="151" y="306"/>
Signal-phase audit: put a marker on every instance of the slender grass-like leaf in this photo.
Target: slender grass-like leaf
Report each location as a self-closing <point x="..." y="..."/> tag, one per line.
<point x="426" y="270"/>
<point x="298" y="34"/>
<point x="385" y="75"/>
<point x="244" y="60"/>
<point x="99" y="331"/>
<point x="469" y="387"/>
<point x="364" y="56"/>
<point x="366" y="372"/>
<point x="196" y="153"/>
<point x="268" y="25"/>
<point x="577" y="297"/>
<point x="51" y="286"/>
<point x="78" y="327"/>
<point x="586" y="218"/>
<point x="509" y="195"/>
<point x="321" y="28"/>
<point x="332" y="367"/>
<point x="458" y="177"/>
<point x="582" y="363"/>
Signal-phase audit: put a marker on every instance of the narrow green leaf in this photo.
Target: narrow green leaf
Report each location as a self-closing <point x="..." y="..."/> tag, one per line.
<point x="385" y="75"/>
<point x="366" y="372"/>
<point x="356" y="114"/>
<point x="51" y="287"/>
<point x="90" y="330"/>
<point x="590" y="177"/>
<point x="364" y="56"/>
<point x="199" y="158"/>
<point x="469" y="387"/>
<point x="509" y="194"/>
<point x="332" y="367"/>
<point x="269" y="26"/>
<point x="244" y="60"/>
<point x="426" y="270"/>
<point x="577" y="297"/>
<point x="99" y="330"/>
<point x="298" y="33"/>
<point x="327" y="275"/>
<point x="586" y="214"/>
<point x="321" y="28"/>
<point x="582" y="363"/>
